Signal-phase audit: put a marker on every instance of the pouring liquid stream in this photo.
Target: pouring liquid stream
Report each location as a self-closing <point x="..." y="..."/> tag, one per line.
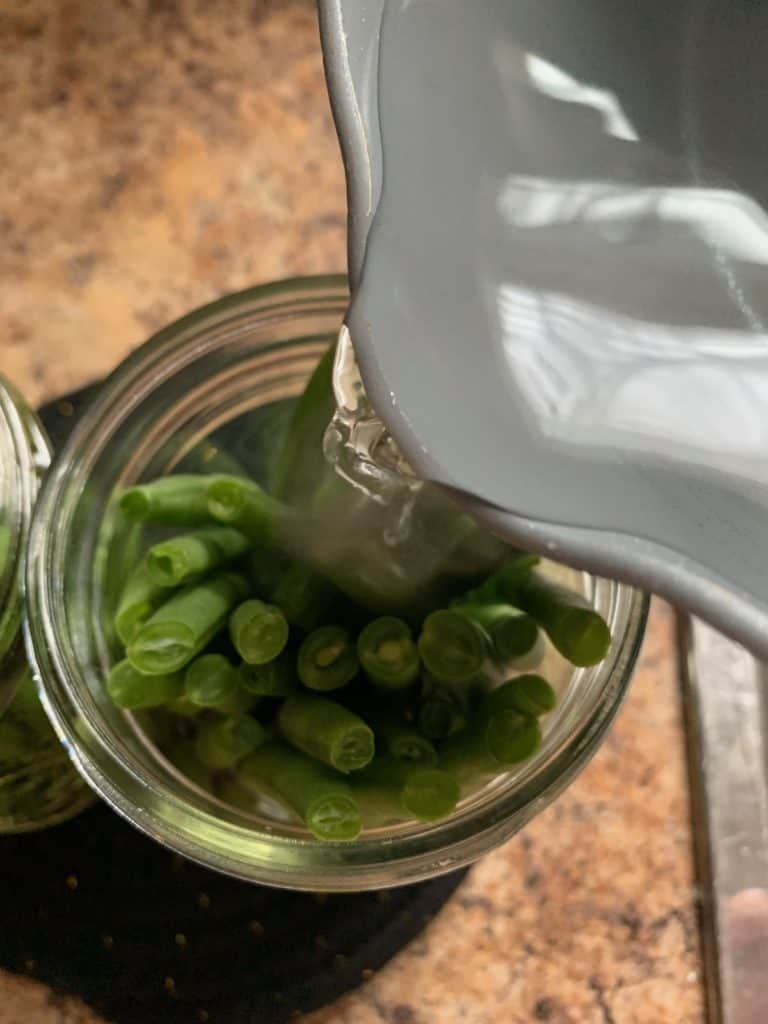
<point x="395" y="515"/>
<point x="358" y="445"/>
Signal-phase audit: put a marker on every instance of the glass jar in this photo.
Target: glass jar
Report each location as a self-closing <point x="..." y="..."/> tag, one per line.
<point x="38" y="786"/>
<point x="227" y="363"/>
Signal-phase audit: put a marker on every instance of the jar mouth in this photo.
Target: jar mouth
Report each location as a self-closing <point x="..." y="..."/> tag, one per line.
<point x="217" y="364"/>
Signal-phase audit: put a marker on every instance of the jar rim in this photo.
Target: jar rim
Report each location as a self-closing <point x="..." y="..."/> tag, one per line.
<point x="24" y="455"/>
<point x="227" y="845"/>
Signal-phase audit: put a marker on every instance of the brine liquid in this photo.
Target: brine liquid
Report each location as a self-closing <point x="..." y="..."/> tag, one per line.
<point x="363" y="452"/>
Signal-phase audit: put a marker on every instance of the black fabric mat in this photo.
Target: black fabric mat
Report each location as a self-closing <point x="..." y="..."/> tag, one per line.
<point x="96" y="909"/>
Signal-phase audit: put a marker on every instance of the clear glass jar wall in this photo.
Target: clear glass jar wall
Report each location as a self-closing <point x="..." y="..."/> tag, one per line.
<point x="38" y="785"/>
<point x="225" y="366"/>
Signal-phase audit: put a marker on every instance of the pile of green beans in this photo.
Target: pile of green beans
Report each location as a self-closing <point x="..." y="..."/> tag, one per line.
<point x="259" y="675"/>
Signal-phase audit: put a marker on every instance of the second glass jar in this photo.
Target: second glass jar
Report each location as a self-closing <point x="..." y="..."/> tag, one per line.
<point x="38" y="785"/>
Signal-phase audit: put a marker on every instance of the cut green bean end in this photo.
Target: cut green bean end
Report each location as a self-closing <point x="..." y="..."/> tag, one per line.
<point x="259" y="632"/>
<point x="354" y="750"/>
<point x="227" y="499"/>
<point x="439" y="719"/>
<point x="451" y="646"/>
<point x="183" y="706"/>
<point x="210" y="680"/>
<point x="414" y="749"/>
<point x="135" y="505"/>
<point x="130" y="689"/>
<point x="129" y="621"/>
<point x="275" y="679"/>
<point x="221" y="744"/>
<point x="167" y="568"/>
<point x="514" y="637"/>
<point x="530" y="694"/>
<point x="165" y="647"/>
<point x="512" y="737"/>
<point x="430" y="794"/>
<point x="583" y="636"/>
<point x="334" y="818"/>
<point x="327" y="659"/>
<point x="388" y="654"/>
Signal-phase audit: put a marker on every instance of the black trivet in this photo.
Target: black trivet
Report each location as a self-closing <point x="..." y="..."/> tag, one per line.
<point x="95" y="909"/>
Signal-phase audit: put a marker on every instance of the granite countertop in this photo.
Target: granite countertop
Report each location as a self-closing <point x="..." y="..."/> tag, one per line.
<point x="156" y="154"/>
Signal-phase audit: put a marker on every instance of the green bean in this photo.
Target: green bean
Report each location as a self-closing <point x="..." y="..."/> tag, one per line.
<point x="24" y="727"/>
<point x="223" y="743"/>
<point x="117" y="555"/>
<point x="478" y="553"/>
<point x="516" y="640"/>
<point x="401" y="790"/>
<point x="8" y="623"/>
<point x="502" y="586"/>
<point x="388" y="654"/>
<point x="327" y="659"/>
<point x="183" y="757"/>
<point x="210" y="681"/>
<point x="5" y="546"/>
<point x="131" y="689"/>
<point x="258" y="631"/>
<point x="240" y="703"/>
<point x="326" y="731"/>
<point x="181" y="559"/>
<point x="529" y="694"/>
<point x="243" y="504"/>
<point x="139" y="599"/>
<point x="443" y="709"/>
<point x="304" y="596"/>
<point x="16" y="742"/>
<point x="513" y="634"/>
<point x="466" y="756"/>
<point x="399" y="738"/>
<point x="275" y="679"/>
<point x="231" y="790"/>
<point x="430" y="794"/>
<point x="322" y="799"/>
<point x="36" y="776"/>
<point x="184" y="625"/>
<point x="576" y="630"/>
<point x="451" y="646"/>
<point x="183" y="707"/>
<point x="512" y="738"/>
<point x="300" y="467"/>
<point x="178" y="500"/>
<point x="265" y="569"/>
<point x="497" y="738"/>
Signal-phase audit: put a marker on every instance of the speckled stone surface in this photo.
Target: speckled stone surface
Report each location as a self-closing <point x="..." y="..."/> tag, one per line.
<point x="156" y="154"/>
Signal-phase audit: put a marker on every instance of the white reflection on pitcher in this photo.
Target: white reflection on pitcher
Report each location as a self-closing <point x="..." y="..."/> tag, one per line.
<point x="585" y="360"/>
<point x="556" y="83"/>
